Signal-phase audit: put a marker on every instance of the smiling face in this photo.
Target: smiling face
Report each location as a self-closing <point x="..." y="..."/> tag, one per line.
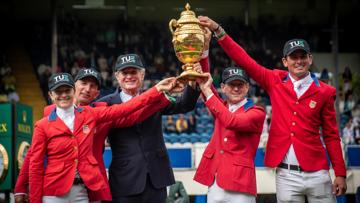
<point x="62" y="96"/>
<point x="298" y="64"/>
<point x="130" y="79"/>
<point x="86" y="90"/>
<point x="235" y="90"/>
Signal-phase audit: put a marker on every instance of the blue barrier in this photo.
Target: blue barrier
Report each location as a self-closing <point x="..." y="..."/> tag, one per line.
<point x="341" y="199"/>
<point x="200" y="199"/>
<point x="180" y="157"/>
<point x="259" y="158"/>
<point x="107" y="156"/>
<point x="353" y="152"/>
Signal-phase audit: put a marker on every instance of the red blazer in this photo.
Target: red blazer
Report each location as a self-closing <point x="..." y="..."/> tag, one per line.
<point x="232" y="149"/>
<point x="295" y="121"/>
<point x="68" y="151"/>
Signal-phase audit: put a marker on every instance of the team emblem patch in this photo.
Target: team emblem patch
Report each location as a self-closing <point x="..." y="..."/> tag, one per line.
<point x="312" y="104"/>
<point x="86" y="129"/>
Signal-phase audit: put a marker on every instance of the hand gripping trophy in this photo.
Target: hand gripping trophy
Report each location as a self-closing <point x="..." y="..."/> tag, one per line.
<point x="188" y="41"/>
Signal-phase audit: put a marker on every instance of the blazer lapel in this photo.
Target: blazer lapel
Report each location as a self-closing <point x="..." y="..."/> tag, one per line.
<point x="313" y="89"/>
<point x="57" y="123"/>
<point x="289" y="87"/>
<point x="116" y="99"/>
<point x="78" y="120"/>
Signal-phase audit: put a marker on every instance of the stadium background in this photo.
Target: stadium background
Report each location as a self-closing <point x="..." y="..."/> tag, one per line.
<point x="41" y="37"/>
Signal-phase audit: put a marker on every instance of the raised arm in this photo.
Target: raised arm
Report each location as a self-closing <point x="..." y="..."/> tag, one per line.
<point x="204" y="62"/>
<point x="151" y="96"/>
<point x="185" y="103"/>
<point x="141" y="114"/>
<point x="259" y="73"/>
<point x="250" y="121"/>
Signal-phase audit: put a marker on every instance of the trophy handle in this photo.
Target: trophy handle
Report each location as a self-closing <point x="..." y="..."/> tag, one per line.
<point x="172" y="25"/>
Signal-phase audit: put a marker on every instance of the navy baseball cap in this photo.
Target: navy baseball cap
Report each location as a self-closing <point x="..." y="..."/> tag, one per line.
<point x="234" y="73"/>
<point x="295" y="44"/>
<point x="88" y="72"/>
<point x="60" y="79"/>
<point x="128" y="60"/>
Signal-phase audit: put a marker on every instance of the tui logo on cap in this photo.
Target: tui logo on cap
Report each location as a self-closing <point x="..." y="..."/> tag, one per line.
<point x="90" y="72"/>
<point x="60" y="78"/>
<point x="128" y="59"/>
<point x="297" y="43"/>
<point x="234" y="72"/>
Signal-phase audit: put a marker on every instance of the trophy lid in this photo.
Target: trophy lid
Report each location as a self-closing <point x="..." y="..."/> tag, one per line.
<point x="188" y="16"/>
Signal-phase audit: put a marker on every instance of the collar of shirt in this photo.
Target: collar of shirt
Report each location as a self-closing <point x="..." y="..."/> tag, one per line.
<point x="126" y="97"/>
<point x="302" y="82"/>
<point x="234" y="107"/>
<point x="63" y="113"/>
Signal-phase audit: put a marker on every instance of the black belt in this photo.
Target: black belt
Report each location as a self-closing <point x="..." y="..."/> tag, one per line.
<point x="78" y="181"/>
<point x="290" y="167"/>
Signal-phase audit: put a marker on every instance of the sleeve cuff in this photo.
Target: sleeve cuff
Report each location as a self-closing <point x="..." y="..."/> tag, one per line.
<point x="209" y="97"/>
<point x="169" y="97"/>
<point x="19" y="193"/>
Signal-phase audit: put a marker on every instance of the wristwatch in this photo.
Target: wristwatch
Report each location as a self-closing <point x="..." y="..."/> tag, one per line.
<point x="23" y="149"/>
<point x="4" y="163"/>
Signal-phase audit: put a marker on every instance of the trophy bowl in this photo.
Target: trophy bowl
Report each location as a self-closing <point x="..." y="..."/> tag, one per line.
<point x="188" y="41"/>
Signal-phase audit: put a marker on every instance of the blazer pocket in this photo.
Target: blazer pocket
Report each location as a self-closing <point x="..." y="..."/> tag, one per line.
<point x="206" y="163"/>
<point x="92" y="160"/>
<point x="243" y="162"/>
<point x="244" y="172"/>
<point x="209" y="152"/>
<point x="56" y="168"/>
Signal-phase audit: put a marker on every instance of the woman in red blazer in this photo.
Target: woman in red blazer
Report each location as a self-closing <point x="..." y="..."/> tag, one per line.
<point x="227" y="165"/>
<point x="65" y="137"/>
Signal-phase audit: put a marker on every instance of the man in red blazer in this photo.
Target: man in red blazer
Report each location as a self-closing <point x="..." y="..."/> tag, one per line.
<point x="303" y="128"/>
<point x="227" y="165"/>
<point x="87" y="84"/>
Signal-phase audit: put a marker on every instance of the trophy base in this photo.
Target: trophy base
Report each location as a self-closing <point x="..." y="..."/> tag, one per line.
<point x="189" y="75"/>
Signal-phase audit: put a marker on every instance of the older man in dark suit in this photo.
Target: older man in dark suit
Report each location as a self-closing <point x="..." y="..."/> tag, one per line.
<point x="140" y="168"/>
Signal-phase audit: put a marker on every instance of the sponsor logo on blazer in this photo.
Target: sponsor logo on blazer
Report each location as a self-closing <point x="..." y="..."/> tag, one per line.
<point x="86" y="129"/>
<point x="312" y="104"/>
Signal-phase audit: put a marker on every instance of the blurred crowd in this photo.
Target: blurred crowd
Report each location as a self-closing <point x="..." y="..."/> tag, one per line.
<point x="349" y="108"/>
<point x="7" y="82"/>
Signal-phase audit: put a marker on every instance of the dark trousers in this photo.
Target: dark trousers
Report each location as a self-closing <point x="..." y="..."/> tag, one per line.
<point x="149" y="195"/>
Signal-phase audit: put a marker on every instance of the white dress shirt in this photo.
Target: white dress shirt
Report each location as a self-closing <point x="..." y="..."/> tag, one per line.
<point x="300" y="87"/>
<point x="67" y="116"/>
<point x="234" y="107"/>
<point x="126" y="97"/>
